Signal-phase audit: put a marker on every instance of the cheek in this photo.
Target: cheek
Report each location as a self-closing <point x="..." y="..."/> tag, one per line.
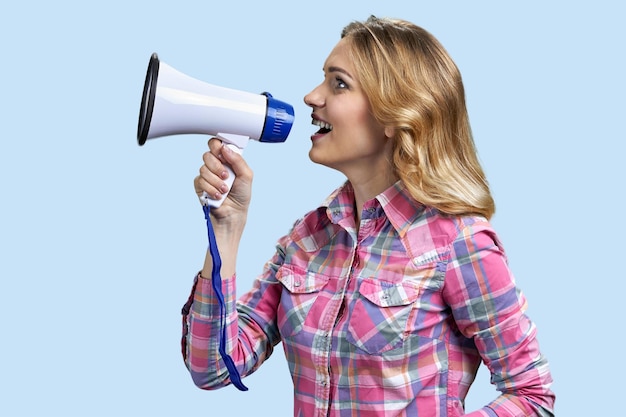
<point x="353" y="121"/>
<point x="362" y="115"/>
<point x="371" y="129"/>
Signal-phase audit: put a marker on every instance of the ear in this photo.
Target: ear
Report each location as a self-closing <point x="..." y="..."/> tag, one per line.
<point x="390" y="132"/>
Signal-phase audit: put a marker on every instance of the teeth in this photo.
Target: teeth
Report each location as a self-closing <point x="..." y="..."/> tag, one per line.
<point x="322" y="124"/>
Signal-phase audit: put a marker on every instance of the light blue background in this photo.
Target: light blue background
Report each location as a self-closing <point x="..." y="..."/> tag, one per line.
<point x="100" y="238"/>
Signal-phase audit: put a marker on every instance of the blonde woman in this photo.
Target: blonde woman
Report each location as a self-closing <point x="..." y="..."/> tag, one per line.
<point x="389" y="295"/>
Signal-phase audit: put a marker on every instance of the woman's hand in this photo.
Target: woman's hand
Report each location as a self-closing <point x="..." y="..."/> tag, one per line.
<point x="211" y="181"/>
<point x="229" y="219"/>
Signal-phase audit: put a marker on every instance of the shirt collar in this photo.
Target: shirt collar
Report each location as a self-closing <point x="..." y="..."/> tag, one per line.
<point x="398" y="205"/>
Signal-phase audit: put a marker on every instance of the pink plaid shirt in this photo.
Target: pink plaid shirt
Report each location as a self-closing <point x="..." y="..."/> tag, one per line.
<point x="390" y="319"/>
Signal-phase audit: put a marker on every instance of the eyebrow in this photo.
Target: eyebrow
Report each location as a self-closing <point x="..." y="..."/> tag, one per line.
<point x="339" y="69"/>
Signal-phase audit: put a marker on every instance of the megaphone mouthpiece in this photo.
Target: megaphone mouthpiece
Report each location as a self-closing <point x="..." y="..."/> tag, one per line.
<point x="278" y="120"/>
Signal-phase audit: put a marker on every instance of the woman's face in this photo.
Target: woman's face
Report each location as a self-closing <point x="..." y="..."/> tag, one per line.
<point x="349" y="139"/>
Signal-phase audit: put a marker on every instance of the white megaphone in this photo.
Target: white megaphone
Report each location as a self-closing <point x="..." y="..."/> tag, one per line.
<point x="174" y="103"/>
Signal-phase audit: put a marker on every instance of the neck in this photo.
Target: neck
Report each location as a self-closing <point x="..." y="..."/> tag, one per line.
<point x="368" y="187"/>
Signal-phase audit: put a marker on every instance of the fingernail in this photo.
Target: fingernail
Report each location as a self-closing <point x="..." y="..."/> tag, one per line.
<point x="224" y="175"/>
<point x="224" y="188"/>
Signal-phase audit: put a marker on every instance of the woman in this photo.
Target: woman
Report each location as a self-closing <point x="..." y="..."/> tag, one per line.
<point x="389" y="295"/>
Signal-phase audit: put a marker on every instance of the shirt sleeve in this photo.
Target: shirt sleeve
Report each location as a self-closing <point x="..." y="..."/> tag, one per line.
<point x="489" y="308"/>
<point x="251" y="330"/>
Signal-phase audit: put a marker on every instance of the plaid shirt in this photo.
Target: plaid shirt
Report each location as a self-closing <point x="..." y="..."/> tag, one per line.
<point x="392" y="318"/>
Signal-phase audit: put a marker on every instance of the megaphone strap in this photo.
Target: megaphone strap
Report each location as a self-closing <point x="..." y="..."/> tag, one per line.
<point x="216" y="282"/>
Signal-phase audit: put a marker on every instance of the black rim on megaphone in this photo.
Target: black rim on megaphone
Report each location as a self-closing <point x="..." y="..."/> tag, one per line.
<point x="147" y="99"/>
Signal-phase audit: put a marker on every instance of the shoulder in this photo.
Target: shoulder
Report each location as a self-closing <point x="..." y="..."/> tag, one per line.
<point x="432" y="234"/>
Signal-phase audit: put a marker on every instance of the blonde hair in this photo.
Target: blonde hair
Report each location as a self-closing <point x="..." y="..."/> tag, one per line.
<point x="414" y="87"/>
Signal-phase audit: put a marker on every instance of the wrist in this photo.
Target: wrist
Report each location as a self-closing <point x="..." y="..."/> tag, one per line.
<point x="230" y="226"/>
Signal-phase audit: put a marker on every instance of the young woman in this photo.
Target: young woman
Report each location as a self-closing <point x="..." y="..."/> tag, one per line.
<point x="389" y="295"/>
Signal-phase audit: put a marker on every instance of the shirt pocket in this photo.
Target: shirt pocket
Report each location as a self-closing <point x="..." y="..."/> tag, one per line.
<point x="300" y="292"/>
<point x="379" y="313"/>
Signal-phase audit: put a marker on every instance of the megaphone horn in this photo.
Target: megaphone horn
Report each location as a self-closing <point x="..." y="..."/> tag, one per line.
<point x="174" y="103"/>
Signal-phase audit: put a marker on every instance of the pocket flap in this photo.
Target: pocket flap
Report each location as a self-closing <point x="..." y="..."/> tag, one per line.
<point x="386" y="294"/>
<point x="300" y="282"/>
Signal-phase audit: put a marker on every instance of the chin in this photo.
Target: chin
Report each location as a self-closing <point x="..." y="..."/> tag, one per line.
<point x="321" y="160"/>
<point x="314" y="159"/>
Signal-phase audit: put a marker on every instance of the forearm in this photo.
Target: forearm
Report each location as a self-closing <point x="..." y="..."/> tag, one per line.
<point x="249" y="337"/>
<point x="521" y="374"/>
<point x="227" y="235"/>
<point x="201" y="332"/>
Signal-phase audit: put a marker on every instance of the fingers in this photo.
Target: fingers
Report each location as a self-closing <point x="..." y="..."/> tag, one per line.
<point x="224" y="172"/>
<point x="213" y="174"/>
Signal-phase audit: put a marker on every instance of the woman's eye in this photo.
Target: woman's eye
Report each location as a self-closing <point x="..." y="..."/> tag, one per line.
<point x="340" y="84"/>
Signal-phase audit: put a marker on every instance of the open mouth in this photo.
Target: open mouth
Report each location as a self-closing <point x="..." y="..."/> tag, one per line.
<point x="324" y="127"/>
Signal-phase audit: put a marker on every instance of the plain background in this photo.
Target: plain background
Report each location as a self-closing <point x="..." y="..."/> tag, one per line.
<point x="100" y="238"/>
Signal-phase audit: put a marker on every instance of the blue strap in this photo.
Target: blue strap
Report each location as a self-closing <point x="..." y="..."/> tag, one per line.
<point x="216" y="281"/>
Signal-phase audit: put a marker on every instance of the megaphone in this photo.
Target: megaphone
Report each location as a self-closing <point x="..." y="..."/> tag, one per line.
<point x="174" y="103"/>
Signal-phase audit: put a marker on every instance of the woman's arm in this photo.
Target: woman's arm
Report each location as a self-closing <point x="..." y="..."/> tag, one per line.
<point x="488" y="308"/>
<point x="249" y="338"/>
<point x="203" y="316"/>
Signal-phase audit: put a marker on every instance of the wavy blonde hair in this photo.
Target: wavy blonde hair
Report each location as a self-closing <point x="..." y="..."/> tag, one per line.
<point x="414" y="86"/>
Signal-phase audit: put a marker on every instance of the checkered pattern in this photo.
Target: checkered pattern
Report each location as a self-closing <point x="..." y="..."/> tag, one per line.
<point x="390" y="319"/>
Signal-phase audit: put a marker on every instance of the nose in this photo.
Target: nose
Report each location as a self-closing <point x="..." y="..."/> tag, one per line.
<point x="314" y="98"/>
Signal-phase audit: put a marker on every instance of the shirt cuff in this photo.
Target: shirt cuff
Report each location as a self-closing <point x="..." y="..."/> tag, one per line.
<point x="205" y="301"/>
